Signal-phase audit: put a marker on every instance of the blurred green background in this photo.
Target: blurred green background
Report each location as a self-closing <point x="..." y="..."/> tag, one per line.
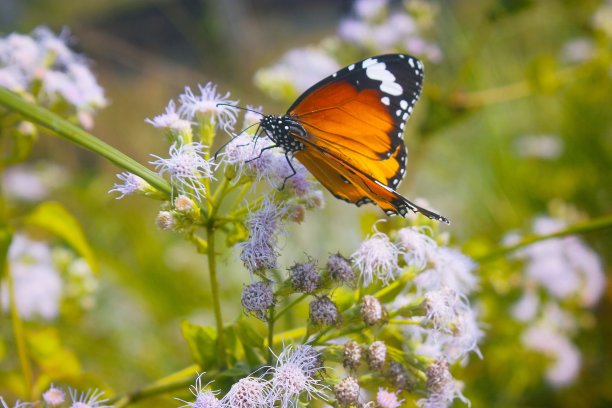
<point x="503" y="76"/>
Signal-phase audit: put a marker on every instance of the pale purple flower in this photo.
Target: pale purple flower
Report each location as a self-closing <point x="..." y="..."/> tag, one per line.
<point x="296" y="71"/>
<point x="566" y="357"/>
<point x="526" y="307"/>
<point x="252" y="115"/>
<point x="33" y="182"/>
<point x="387" y="399"/>
<point x="12" y="78"/>
<point x="203" y="398"/>
<point x="89" y="399"/>
<point x="249" y="392"/>
<point x="376" y="258"/>
<point x="416" y="245"/>
<point x="248" y="156"/>
<point x="131" y="184"/>
<point x="37" y="283"/>
<point x="294" y="375"/>
<point x="18" y="404"/>
<point x="369" y="8"/>
<point x="546" y="147"/>
<point x="171" y="120"/>
<point x="450" y="268"/>
<point x="578" y="50"/>
<point x="218" y="109"/>
<point x="187" y="168"/>
<point x="54" y="396"/>
<point x="260" y="251"/>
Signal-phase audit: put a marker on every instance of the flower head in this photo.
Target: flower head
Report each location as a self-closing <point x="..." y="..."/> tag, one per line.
<point x="347" y="391"/>
<point x="441" y="387"/>
<point x="305" y="277"/>
<point x="450" y="268"/>
<point x="259" y="252"/>
<point x="339" y="269"/>
<point x="89" y="399"/>
<point x="187" y="167"/>
<point x="372" y="311"/>
<point x="203" y="398"/>
<point x="294" y="375"/>
<point x="377" y="355"/>
<point x="171" y="120"/>
<point x="131" y="184"/>
<point x="324" y="311"/>
<point x="416" y="245"/>
<point x="249" y="392"/>
<point x="257" y="298"/>
<point x="387" y="399"/>
<point x="376" y="257"/>
<point x="218" y="109"/>
<point x="54" y="396"/>
<point x="353" y="353"/>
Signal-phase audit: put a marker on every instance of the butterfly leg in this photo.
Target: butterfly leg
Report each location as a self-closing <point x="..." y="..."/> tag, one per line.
<point x="261" y="152"/>
<point x="292" y="170"/>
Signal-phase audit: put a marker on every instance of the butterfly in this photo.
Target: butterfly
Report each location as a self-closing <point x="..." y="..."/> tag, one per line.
<point x="347" y="130"/>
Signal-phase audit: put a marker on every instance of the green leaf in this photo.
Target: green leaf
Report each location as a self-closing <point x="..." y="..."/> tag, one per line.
<point x="5" y="242"/>
<point x="202" y="343"/>
<point x="54" y="218"/>
<point x="251" y="340"/>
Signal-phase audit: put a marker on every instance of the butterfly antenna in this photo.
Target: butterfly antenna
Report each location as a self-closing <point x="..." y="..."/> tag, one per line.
<point x="240" y="107"/>
<point x="232" y="139"/>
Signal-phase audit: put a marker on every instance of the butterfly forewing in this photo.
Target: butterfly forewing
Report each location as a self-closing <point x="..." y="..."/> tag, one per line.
<point x="360" y="112"/>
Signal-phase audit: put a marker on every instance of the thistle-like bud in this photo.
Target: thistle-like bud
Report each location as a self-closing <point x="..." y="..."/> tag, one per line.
<point x="186" y="205"/>
<point x="340" y="270"/>
<point x="377" y="355"/>
<point x="347" y="391"/>
<point x="324" y="311"/>
<point x="353" y="352"/>
<point x="398" y="376"/>
<point x="372" y="310"/>
<point x="304" y="277"/>
<point x="165" y="220"/>
<point x="257" y="298"/>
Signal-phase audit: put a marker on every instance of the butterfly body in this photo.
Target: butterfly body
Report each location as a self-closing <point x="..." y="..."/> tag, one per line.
<point x="347" y="130"/>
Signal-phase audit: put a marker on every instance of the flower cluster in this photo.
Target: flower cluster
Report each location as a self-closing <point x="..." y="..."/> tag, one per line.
<point x="295" y="377"/>
<point x="42" y="66"/>
<point x="55" y="397"/>
<point x="44" y="278"/>
<point x="561" y="278"/>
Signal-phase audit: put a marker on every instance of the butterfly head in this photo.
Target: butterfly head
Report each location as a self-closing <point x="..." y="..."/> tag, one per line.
<point x="285" y="131"/>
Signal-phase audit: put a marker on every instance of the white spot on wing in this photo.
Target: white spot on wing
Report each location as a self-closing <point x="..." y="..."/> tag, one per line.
<point x="403" y="104"/>
<point x="411" y="62"/>
<point x="385" y="100"/>
<point x="351" y="67"/>
<point x="368" y="62"/>
<point x="379" y="72"/>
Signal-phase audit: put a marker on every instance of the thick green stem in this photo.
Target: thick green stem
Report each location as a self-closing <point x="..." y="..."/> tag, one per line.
<point x="76" y="135"/>
<point x="214" y="287"/>
<point x="594" y="225"/>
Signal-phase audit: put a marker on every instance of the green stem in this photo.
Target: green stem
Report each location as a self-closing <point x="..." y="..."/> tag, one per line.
<point x="75" y="134"/>
<point x="290" y="305"/>
<point x="271" y="320"/>
<point x="20" y="339"/>
<point x="214" y="287"/>
<point x="594" y="225"/>
<point x="178" y="380"/>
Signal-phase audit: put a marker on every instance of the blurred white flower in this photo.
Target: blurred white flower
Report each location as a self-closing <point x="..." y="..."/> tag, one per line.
<point x="548" y="147"/>
<point x="37" y="283"/>
<point x="89" y="399"/>
<point x="442" y="388"/>
<point x="578" y="50"/>
<point x="203" y="398"/>
<point x="131" y="184"/>
<point x="171" y="120"/>
<point x="32" y="182"/>
<point x="369" y="8"/>
<point x="296" y="71"/>
<point x="417" y="246"/>
<point x="249" y="392"/>
<point x="565" y="355"/>
<point x="450" y="268"/>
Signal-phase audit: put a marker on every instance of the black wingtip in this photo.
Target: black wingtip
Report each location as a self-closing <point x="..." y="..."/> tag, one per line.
<point x="415" y="208"/>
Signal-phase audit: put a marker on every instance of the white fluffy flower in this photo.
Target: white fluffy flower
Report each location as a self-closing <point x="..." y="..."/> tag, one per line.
<point x="376" y="258"/>
<point x="37" y="284"/>
<point x="450" y="268"/>
<point x="217" y="108"/>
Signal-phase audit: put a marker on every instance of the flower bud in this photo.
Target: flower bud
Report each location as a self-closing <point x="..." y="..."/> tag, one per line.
<point x="257" y="298"/>
<point x="165" y="220"/>
<point x="304" y="277"/>
<point x="377" y="355"/>
<point x="398" y="376"/>
<point x="353" y="353"/>
<point x="347" y="391"/>
<point x="339" y="269"/>
<point x="324" y="311"/>
<point x="372" y="310"/>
